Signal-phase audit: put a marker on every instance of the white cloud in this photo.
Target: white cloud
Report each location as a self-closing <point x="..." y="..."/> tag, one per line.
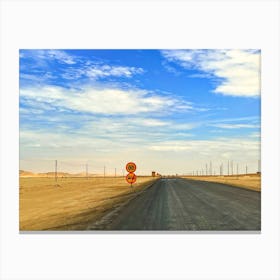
<point x="236" y="126"/>
<point x="60" y="56"/>
<point x="100" y="71"/>
<point x="255" y="135"/>
<point x="119" y="142"/>
<point x="225" y="148"/>
<point x="45" y="55"/>
<point x="104" y="100"/>
<point x="237" y="72"/>
<point x="87" y="68"/>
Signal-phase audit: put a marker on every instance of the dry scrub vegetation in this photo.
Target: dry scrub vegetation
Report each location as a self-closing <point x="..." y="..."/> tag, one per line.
<point x="71" y="203"/>
<point x="249" y="181"/>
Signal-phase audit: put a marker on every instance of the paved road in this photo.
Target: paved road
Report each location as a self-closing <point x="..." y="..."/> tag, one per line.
<point x="182" y="204"/>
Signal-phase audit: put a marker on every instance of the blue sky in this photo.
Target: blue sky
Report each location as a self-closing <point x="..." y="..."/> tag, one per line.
<point x="168" y="110"/>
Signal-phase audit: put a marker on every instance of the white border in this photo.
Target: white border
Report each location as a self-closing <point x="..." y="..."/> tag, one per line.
<point x="140" y="24"/>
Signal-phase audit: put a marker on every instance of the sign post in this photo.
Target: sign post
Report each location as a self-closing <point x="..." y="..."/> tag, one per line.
<point x="131" y="177"/>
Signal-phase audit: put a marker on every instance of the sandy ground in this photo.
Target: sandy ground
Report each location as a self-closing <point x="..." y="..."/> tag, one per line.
<point x="71" y="203"/>
<point x="250" y="181"/>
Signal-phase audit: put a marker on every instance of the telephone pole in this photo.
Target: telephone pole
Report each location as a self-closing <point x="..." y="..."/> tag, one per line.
<point x="55" y="172"/>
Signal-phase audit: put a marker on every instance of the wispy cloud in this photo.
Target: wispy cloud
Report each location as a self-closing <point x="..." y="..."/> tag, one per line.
<point x="104" y="100"/>
<point x="236" y="72"/>
<point x="48" y="55"/>
<point x="218" y="148"/>
<point x="60" y="56"/>
<point x="235" y="126"/>
<point x="100" y="71"/>
<point x="72" y="67"/>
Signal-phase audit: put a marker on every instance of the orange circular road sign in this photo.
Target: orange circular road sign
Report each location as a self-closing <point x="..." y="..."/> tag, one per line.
<point x="130" y="167"/>
<point x="131" y="178"/>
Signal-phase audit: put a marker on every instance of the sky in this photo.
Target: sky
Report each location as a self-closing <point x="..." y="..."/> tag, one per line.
<point x="169" y="111"/>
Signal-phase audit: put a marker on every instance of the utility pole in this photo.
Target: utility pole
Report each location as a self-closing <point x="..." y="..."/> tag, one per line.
<point x="231" y="167"/>
<point x="246" y="169"/>
<point x="55" y="173"/>
<point x="237" y="170"/>
<point x="228" y="167"/>
<point x="210" y="168"/>
<point x="87" y="171"/>
<point x="104" y="170"/>
<point x="206" y="170"/>
<point x="115" y="172"/>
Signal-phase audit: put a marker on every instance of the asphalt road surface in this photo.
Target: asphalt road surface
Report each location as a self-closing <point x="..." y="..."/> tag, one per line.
<point x="182" y="204"/>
